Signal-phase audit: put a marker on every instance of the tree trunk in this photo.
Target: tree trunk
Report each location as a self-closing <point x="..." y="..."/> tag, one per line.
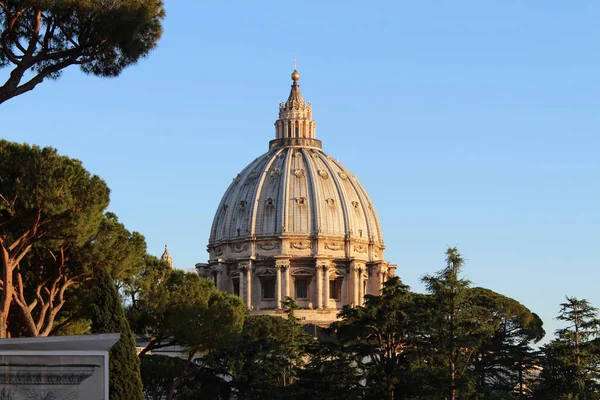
<point x="184" y="372"/>
<point x="452" y="381"/>
<point x="7" y="292"/>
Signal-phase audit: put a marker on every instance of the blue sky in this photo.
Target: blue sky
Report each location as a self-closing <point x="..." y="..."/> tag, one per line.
<point x="470" y="123"/>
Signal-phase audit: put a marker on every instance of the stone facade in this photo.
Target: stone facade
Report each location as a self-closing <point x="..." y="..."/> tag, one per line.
<point x="295" y="222"/>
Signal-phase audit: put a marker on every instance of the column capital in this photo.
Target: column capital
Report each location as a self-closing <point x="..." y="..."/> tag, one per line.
<point x="323" y="264"/>
<point x="244" y="265"/>
<point x="282" y="263"/>
<point x="357" y="266"/>
<point x="219" y="268"/>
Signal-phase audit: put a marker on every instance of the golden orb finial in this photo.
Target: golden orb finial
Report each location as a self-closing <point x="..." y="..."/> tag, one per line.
<point x="295" y="75"/>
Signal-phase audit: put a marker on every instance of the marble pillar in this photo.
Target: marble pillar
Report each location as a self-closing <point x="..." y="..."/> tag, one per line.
<point x="245" y="268"/>
<point x="283" y="290"/>
<point x="326" y="294"/>
<point x="278" y="286"/>
<point x="319" y="287"/>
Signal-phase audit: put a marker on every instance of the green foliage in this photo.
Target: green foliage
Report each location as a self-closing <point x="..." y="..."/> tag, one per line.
<point x="379" y="337"/>
<point x="506" y="361"/>
<point x="158" y="373"/>
<point x="42" y="37"/>
<point x="257" y="359"/>
<point x="108" y="316"/>
<point x="264" y="360"/>
<point x="454" y="342"/>
<point x="47" y="197"/>
<point x="114" y="249"/>
<point x="173" y="307"/>
<point x="176" y="307"/>
<point x="49" y="205"/>
<point x="330" y="373"/>
<point x="457" y="328"/>
<point x="571" y="362"/>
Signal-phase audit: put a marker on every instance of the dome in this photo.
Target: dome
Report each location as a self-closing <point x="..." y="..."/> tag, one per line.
<point x="296" y="222"/>
<point x="297" y="191"/>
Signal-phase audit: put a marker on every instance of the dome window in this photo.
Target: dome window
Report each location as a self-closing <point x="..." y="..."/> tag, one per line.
<point x="355" y="204"/>
<point x="299" y="172"/>
<point x="269" y="202"/>
<point x="330" y="201"/>
<point x="301" y="200"/>
<point x="243" y="204"/>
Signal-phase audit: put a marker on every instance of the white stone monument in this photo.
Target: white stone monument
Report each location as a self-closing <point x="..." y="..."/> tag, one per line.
<point x="55" y="368"/>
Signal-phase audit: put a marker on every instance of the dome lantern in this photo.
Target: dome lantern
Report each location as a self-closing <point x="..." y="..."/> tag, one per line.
<point x="295" y="125"/>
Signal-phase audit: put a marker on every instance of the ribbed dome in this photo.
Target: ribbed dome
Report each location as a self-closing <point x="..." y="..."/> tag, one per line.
<point x="295" y="222"/>
<point x="295" y="190"/>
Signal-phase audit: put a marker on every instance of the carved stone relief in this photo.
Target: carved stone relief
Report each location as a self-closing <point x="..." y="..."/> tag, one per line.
<point x="301" y="245"/>
<point x="239" y="247"/>
<point x="334" y="246"/>
<point x="268" y="245"/>
<point x="302" y="271"/>
<point x="359" y="248"/>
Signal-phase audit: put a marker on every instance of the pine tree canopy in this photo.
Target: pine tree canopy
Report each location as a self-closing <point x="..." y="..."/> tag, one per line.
<point x="40" y="38"/>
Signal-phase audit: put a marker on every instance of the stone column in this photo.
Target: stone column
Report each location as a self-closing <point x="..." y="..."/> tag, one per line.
<point x="245" y="268"/>
<point x="220" y="272"/>
<point x="283" y="289"/>
<point x="249" y="285"/>
<point x="319" y="287"/>
<point x="361" y="287"/>
<point x="355" y="269"/>
<point x="326" y="283"/>
<point x="241" y="276"/>
<point x="278" y="286"/>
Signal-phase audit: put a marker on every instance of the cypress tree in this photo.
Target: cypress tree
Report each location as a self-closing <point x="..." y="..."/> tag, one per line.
<point x="107" y="316"/>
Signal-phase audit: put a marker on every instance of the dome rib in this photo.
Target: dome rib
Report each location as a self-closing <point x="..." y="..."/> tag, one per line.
<point x="259" y="188"/>
<point x="366" y="204"/>
<point x="286" y="191"/>
<point x="313" y="194"/>
<point x="340" y="191"/>
<point x="219" y="231"/>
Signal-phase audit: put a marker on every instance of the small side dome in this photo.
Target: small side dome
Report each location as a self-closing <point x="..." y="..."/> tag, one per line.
<point x="167" y="257"/>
